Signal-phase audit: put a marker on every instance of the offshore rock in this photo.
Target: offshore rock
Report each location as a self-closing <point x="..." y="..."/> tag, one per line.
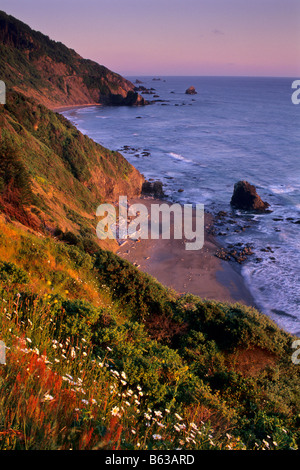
<point x="191" y="91"/>
<point x="246" y="198"/>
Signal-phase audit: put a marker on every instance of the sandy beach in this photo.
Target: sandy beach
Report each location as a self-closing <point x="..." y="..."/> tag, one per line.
<point x="197" y="272"/>
<point x="61" y="109"/>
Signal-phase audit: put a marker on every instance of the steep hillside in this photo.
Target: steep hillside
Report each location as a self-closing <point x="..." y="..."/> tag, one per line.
<point x="101" y="356"/>
<point x="52" y="177"/>
<point x="55" y="75"/>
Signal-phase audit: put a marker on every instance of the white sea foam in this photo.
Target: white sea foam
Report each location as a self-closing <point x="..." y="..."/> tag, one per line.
<point x="177" y="156"/>
<point x="210" y="152"/>
<point x="283" y="189"/>
<point x="279" y="298"/>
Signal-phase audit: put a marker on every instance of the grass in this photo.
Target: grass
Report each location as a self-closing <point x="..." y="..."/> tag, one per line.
<point x="100" y="355"/>
<point x="62" y="397"/>
<point x="53" y="177"/>
<point x="89" y="368"/>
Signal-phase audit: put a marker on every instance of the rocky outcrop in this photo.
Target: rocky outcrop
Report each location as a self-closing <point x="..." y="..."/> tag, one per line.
<point x="153" y="188"/>
<point x="191" y="91"/>
<point x="246" y="198"/>
<point x="131" y="99"/>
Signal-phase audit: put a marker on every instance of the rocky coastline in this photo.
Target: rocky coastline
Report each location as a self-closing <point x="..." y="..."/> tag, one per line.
<point x="214" y="272"/>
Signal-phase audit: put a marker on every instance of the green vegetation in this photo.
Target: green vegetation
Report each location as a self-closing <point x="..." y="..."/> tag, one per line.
<point x="54" y="177"/>
<point x="14" y="177"/>
<point x="36" y="65"/>
<point x="103" y="356"/>
<point x="100" y="355"/>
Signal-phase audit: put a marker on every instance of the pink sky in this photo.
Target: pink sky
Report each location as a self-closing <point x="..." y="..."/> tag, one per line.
<point x="174" y="37"/>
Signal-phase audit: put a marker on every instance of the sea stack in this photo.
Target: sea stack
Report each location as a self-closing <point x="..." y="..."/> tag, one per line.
<point x="191" y="91"/>
<point x="246" y="198"/>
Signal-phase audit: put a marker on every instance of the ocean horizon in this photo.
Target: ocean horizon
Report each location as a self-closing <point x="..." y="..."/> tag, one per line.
<point x="149" y="229"/>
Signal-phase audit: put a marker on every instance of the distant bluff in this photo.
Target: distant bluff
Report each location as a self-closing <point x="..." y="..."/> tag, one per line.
<point x="53" y="74"/>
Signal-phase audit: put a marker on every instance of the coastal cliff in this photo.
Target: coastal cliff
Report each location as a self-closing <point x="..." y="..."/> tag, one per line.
<point x="51" y="175"/>
<point x="38" y="67"/>
<point x="100" y="355"/>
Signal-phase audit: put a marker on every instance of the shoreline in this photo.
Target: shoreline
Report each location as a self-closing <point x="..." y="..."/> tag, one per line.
<point x="61" y="109"/>
<point x="198" y="272"/>
<point x="219" y="281"/>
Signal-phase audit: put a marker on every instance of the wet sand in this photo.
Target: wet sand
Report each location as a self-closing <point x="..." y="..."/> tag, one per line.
<point x="197" y="272"/>
<point x="63" y="108"/>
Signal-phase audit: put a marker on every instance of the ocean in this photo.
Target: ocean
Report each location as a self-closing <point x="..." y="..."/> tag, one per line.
<point x="199" y="146"/>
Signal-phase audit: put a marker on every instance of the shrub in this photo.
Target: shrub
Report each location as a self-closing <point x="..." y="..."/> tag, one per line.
<point x="137" y="292"/>
<point x="76" y="319"/>
<point x="14" y="176"/>
<point x="12" y="274"/>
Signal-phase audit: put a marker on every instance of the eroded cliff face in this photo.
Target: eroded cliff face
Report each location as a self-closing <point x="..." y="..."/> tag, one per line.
<point x="54" y="177"/>
<point x="55" y="75"/>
